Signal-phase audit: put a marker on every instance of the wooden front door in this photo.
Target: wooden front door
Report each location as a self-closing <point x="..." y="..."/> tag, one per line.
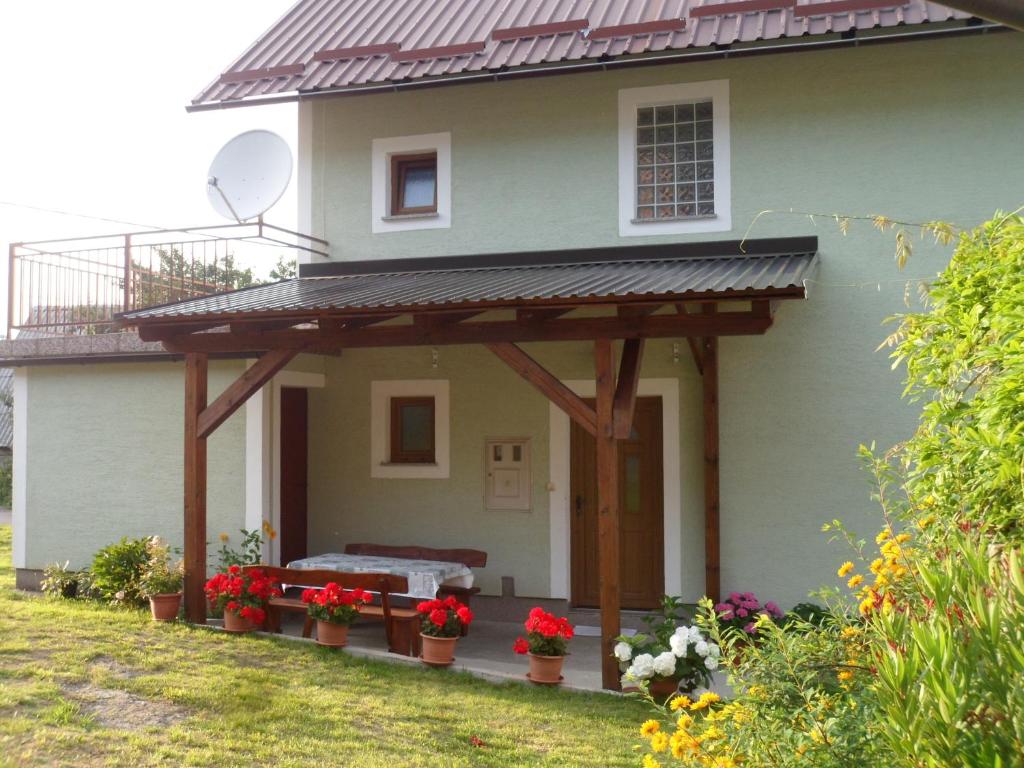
<point x="294" y="460"/>
<point x="641" y="510"/>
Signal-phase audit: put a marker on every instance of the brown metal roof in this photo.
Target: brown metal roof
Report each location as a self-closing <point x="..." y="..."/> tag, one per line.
<point x="760" y="268"/>
<point x="366" y="43"/>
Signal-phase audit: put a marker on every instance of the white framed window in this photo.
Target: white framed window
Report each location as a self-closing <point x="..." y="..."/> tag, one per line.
<point x="422" y="451"/>
<point x="411" y="184"/>
<point x="508" y="483"/>
<point x="674" y="174"/>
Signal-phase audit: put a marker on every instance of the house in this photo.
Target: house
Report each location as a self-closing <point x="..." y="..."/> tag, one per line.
<point x="550" y="322"/>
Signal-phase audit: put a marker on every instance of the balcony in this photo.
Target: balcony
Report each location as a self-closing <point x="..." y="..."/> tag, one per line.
<point x="77" y="286"/>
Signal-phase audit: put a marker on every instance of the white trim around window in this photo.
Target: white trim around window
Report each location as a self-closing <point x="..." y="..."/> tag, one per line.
<point x="631" y="99"/>
<point x="381" y="393"/>
<point x="380" y="182"/>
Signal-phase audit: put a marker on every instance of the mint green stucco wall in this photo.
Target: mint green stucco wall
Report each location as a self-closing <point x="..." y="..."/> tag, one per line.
<point x="919" y="131"/>
<point x="105" y="458"/>
<point x="487" y="401"/>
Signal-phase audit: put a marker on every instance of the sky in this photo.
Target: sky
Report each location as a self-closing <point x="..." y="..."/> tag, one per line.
<point x="93" y="118"/>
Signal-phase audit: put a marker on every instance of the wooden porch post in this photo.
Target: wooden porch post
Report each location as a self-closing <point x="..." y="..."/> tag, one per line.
<point x="195" y="488"/>
<point x="608" y="510"/>
<point x="709" y="365"/>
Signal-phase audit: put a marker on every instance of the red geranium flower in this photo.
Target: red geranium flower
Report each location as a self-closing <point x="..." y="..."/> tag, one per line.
<point x="520" y="645"/>
<point x="439" y="617"/>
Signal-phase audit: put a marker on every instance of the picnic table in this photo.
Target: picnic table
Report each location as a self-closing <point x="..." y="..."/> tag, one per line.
<point x="425" y="577"/>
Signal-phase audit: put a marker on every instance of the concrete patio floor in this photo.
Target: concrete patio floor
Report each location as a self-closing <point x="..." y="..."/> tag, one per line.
<point x="485" y="652"/>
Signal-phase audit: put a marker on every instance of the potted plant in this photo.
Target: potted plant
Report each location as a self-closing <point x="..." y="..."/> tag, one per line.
<point x="441" y="625"/>
<point x="334" y="609"/>
<point x="669" y="657"/>
<point x="161" y="581"/>
<point x="545" y="642"/>
<point x="242" y="596"/>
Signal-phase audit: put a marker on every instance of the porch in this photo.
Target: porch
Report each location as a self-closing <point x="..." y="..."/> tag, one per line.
<point x="695" y="292"/>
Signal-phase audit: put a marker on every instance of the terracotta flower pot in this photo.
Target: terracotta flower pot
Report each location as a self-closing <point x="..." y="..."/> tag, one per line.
<point x="545" y="670"/>
<point x="661" y="688"/>
<point x="438" y="651"/>
<point x="329" y="633"/>
<point x="235" y="623"/>
<point x="165" y="607"/>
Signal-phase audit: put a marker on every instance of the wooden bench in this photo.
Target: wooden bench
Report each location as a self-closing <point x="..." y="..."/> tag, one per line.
<point x="401" y="625"/>
<point x="471" y="558"/>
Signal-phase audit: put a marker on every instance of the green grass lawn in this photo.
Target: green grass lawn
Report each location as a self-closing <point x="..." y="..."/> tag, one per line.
<point x="83" y="684"/>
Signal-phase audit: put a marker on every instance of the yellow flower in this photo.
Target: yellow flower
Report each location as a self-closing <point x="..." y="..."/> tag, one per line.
<point x="659" y="742"/>
<point x="925" y="521"/>
<point x="224" y="538"/>
<point x="269" y="530"/>
<point x="866" y="605"/>
<point x="651" y="762"/>
<point x="723" y="762"/>
<point x="801" y="749"/>
<point x="755" y="691"/>
<point x="816" y="735"/>
<point x="705" y="701"/>
<point x="855" y="581"/>
<point x="877" y="565"/>
<point x="679" y="702"/>
<point x="850" y="632"/>
<point x="903" y="537"/>
<point x="844" y="569"/>
<point x="883" y="534"/>
<point x="684" y="722"/>
<point x="845" y="675"/>
<point x="650" y="727"/>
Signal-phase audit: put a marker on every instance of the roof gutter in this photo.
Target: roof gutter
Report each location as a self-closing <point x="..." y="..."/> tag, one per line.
<point x="601" y="65"/>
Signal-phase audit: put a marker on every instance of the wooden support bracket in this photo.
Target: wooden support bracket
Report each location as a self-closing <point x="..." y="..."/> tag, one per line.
<point x="626" y="387"/>
<point x="548" y="384"/>
<point x="241" y="389"/>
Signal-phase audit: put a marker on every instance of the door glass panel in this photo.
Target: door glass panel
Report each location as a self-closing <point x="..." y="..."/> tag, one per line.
<point x="417" y="428"/>
<point x="632" y="501"/>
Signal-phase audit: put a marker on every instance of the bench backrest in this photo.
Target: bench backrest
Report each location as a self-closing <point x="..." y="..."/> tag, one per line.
<point x="471" y="558"/>
<point x="384" y="583"/>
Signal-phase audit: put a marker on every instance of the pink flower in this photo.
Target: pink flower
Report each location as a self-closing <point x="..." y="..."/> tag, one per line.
<point x="748" y="596"/>
<point x="773" y="609"/>
<point x="750" y="628"/>
<point x="734" y="597"/>
<point x="742" y="613"/>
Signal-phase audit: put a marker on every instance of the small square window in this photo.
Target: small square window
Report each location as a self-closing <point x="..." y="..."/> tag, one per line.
<point x="412" y="430"/>
<point x="413" y="184"/>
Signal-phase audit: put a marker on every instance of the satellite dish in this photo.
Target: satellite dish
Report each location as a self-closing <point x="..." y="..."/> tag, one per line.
<point x="249" y="175"/>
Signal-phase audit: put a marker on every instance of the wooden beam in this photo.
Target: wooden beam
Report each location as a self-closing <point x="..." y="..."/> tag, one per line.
<point x="441" y="319"/>
<point x="695" y="350"/>
<point x="242" y="389"/>
<point x="548" y="384"/>
<point x="712" y="573"/>
<point x="195" y="489"/>
<point x="607" y="511"/>
<point x="481" y="332"/>
<point x="540" y="314"/>
<point x="637" y="310"/>
<point x="626" y="388"/>
<point x="352" y="323"/>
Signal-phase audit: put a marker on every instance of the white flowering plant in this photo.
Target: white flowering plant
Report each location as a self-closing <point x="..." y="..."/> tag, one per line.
<point x="670" y="649"/>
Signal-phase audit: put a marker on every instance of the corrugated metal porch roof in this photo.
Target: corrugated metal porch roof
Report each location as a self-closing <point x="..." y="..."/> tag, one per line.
<point x="322" y="45"/>
<point x="763" y="268"/>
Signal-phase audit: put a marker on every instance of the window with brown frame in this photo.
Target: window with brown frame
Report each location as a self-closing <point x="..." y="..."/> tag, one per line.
<point x="413" y="184"/>
<point x="412" y="430"/>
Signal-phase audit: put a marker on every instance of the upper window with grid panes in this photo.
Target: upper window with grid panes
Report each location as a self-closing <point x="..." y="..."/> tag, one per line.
<point x="675" y="161"/>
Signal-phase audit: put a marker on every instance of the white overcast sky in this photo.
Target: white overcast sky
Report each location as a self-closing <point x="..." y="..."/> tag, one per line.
<point x="93" y="120"/>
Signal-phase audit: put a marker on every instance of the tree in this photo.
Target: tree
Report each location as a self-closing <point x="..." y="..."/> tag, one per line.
<point x="283" y="270"/>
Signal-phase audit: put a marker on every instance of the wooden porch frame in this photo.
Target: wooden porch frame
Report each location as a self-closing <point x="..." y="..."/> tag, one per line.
<point x="610" y="421"/>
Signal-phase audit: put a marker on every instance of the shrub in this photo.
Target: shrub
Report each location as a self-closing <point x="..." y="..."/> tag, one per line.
<point x="60" y="581"/>
<point x="805" y="613"/>
<point x="117" y="571"/>
<point x="443" y="618"/>
<point x="250" y="548"/>
<point x="160" y="576"/>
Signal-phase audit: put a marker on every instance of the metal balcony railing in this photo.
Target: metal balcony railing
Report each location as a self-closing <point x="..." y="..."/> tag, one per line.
<point x="76" y="286"/>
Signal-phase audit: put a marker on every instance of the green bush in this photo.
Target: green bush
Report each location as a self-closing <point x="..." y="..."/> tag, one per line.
<point x="920" y="662"/>
<point x="117" y="571"/>
<point x="60" y="581"/>
<point x="160" y="575"/>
